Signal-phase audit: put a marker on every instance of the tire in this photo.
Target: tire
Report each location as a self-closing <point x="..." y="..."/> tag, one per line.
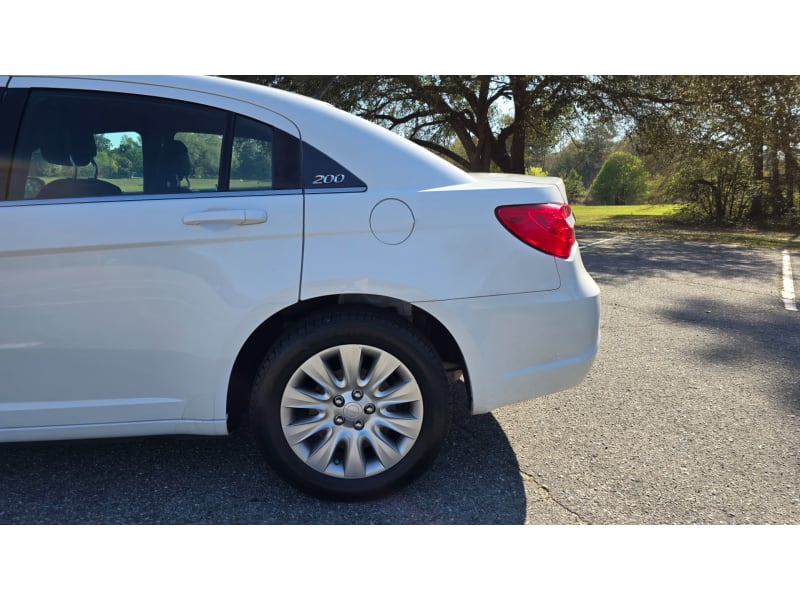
<point x="351" y="404"/>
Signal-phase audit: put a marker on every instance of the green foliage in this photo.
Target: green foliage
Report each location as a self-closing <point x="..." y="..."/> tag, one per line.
<point x="124" y="160"/>
<point x="574" y="186"/>
<point x="251" y="160"/>
<point x="536" y="171"/>
<point x="621" y="180"/>
<point x="585" y="155"/>
<point x="204" y="153"/>
<point x="732" y="148"/>
<point x="717" y="188"/>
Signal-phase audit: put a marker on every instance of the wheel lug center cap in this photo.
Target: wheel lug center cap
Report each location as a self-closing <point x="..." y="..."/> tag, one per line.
<point x="353" y="411"/>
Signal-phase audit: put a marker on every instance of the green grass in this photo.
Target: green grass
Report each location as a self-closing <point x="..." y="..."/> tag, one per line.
<point x="608" y="216"/>
<point x="659" y="219"/>
<point x="129" y="185"/>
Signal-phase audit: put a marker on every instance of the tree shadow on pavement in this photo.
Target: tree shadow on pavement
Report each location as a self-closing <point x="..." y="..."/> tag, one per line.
<point x="637" y="257"/>
<point x="475" y="479"/>
<point x="739" y="338"/>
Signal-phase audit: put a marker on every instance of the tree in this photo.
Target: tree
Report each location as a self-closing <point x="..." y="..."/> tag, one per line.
<point x="497" y="119"/>
<point x="574" y="186"/>
<point x="131" y="148"/>
<point x="251" y="159"/>
<point x="586" y="154"/>
<point x="494" y="117"/>
<point x="621" y="180"/>
<point x="736" y="138"/>
<point x="204" y="153"/>
<point x="718" y="187"/>
<point x="123" y="160"/>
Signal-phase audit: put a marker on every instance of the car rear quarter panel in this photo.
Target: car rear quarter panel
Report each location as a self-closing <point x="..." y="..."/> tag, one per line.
<point x="520" y="346"/>
<point x="526" y="322"/>
<point x="457" y="248"/>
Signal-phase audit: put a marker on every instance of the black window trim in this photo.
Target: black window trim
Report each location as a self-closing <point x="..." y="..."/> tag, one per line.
<point x="226" y="154"/>
<point x="14" y="103"/>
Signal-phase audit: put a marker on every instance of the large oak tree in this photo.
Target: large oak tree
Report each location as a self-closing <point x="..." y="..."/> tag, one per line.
<point x="495" y="119"/>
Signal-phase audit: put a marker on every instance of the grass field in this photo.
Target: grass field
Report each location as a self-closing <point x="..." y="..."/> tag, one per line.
<point x="658" y="219"/>
<point x="606" y="216"/>
<point x="131" y="185"/>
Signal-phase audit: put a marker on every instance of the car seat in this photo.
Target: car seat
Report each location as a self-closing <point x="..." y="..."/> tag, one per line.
<point x="76" y="149"/>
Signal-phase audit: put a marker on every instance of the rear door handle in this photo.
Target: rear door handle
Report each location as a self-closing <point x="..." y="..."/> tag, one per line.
<point x="248" y="216"/>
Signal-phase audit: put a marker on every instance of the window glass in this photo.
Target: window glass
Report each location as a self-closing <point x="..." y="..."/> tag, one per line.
<point x="203" y="151"/>
<point x="74" y="144"/>
<point x="119" y="155"/>
<point x="263" y="158"/>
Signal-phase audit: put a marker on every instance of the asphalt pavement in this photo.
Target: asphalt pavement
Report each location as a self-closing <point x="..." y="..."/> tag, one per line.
<point x="690" y="414"/>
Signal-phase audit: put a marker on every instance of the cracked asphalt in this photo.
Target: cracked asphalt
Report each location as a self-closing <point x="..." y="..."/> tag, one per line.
<point x="690" y="414"/>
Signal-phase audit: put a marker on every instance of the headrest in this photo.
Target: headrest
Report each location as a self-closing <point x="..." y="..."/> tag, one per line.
<point x="175" y="159"/>
<point x="65" y="147"/>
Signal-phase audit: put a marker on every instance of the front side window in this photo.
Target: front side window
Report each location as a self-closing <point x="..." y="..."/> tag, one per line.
<point x="118" y="156"/>
<point x="74" y="144"/>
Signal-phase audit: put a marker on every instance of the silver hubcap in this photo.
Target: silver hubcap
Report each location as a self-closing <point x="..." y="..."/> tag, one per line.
<point x="351" y="411"/>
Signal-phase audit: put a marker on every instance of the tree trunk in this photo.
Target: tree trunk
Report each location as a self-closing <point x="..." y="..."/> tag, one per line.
<point x="790" y="167"/>
<point x="775" y="197"/>
<point x="757" y="201"/>
<point x="519" y="137"/>
<point x="719" y="205"/>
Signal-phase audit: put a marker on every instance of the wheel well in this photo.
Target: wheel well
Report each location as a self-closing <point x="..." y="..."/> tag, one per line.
<point x="255" y="348"/>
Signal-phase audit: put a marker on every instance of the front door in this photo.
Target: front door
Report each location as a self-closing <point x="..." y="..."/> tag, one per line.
<point x="140" y="243"/>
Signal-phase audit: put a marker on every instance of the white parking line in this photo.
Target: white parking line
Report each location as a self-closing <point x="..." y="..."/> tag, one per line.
<point x="787" y="294"/>
<point x="597" y="243"/>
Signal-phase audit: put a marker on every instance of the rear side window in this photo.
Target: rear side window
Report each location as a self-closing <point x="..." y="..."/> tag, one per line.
<point x="258" y="158"/>
<point x="201" y="159"/>
<point x="76" y="144"/>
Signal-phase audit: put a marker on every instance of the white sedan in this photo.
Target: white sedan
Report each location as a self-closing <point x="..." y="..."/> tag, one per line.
<point x="179" y="255"/>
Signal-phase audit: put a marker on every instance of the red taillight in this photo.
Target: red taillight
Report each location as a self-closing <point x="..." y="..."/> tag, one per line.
<point x="546" y="227"/>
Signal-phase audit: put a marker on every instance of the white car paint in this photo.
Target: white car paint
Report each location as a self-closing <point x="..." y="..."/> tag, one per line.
<point x="119" y="312"/>
<point x="119" y="318"/>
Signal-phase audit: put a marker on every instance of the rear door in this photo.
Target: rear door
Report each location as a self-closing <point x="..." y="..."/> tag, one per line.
<point x="142" y="240"/>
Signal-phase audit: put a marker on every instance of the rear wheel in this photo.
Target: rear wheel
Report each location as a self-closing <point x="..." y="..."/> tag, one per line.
<point x="351" y="404"/>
